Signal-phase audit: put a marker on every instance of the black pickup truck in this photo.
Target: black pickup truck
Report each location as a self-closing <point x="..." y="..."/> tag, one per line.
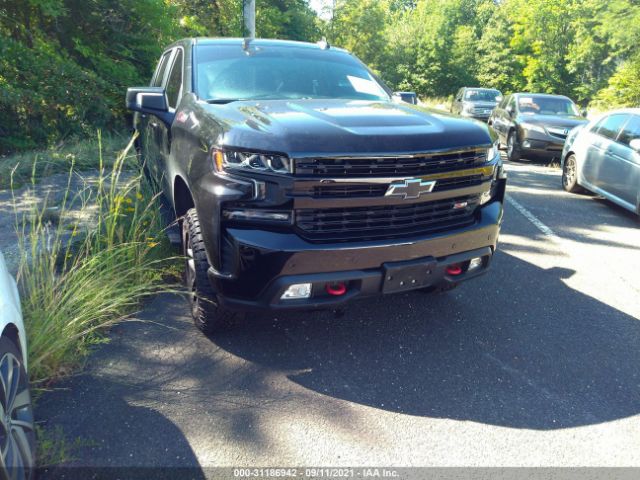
<point x="300" y="184"/>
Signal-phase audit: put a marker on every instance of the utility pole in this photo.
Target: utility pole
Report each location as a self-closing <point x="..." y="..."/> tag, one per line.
<point x="249" y="17"/>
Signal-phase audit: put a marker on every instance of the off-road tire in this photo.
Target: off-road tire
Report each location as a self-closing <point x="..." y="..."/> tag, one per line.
<point x="207" y="314"/>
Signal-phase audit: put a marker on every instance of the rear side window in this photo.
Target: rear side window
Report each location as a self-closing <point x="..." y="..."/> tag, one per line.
<point x="631" y="130"/>
<point x="162" y="67"/>
<point x="611" y="125"/>
<point x="174" y="84"/>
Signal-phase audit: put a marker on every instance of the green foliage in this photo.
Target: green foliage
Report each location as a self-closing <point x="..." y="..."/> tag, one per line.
<point x="64" y="64"/>
<point x="89" y="266"/>
<point x="581" y="48"/>
<point x="18" y="168"/>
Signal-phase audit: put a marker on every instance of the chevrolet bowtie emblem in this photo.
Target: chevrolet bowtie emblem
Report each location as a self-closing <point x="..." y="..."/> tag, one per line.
<point x="409" y="188"/>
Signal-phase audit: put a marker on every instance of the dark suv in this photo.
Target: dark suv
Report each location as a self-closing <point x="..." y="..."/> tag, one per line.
<point x="299" y="184"/>
<point x="475" y="103"/>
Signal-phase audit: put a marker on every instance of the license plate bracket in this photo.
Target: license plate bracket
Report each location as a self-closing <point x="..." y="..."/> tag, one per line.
<point x="402" y="276"/>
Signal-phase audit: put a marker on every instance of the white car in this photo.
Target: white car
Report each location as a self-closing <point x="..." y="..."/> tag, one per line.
<point x="17" y="434"/>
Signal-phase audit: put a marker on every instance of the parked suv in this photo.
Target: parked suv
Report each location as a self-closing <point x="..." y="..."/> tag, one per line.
<point x="300" y="184"/>
<point x="535" y="125"/>
<point x="475" y="103"/>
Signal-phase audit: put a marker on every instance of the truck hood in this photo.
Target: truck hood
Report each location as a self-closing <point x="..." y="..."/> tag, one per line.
<point x="341" y="127"/>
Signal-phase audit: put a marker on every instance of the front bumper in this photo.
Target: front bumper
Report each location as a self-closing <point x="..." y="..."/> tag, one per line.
<point x="539" y="145"/>
<point x="484" y="117"/>
<point x="268" y="262"/>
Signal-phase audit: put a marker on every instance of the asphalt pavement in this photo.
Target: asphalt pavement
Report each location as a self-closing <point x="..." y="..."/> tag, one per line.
<point x="536" y="363"/>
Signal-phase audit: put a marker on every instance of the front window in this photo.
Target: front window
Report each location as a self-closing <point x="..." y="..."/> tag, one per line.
<point x="227" y="73"/>
<point x="481" y="95"/>
<point x="547" y="105"/>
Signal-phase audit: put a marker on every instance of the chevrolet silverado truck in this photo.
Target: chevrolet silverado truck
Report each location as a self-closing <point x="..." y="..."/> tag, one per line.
<point x="299" y="183"/>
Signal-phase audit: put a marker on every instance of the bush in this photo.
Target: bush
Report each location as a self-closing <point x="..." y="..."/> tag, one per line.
<point x="45" y="97"/>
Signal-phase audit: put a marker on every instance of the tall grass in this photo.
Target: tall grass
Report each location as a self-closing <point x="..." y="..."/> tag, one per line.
<point x="78" y="277"/>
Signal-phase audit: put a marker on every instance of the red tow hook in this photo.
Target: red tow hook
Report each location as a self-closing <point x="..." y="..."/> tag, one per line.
<point x="336" y="289"/>
<point x="455" y="269"/>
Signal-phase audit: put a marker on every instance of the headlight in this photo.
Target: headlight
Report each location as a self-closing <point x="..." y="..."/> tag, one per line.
<point x="493" y="152"/>
<point x="251" y="161"/>
<point x="533" y="128"/>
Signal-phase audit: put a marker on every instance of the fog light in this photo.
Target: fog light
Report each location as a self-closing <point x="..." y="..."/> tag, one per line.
<point x="526" y="144"/>
<point x="475" y="264"/>
<point x="299" y="290"/>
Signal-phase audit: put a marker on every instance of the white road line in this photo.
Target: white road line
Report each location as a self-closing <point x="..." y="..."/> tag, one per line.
<point x="533" y="219"/>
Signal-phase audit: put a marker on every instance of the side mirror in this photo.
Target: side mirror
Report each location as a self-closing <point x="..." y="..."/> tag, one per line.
<point x="151" y="100"/>
<point x="584" y="112"/>
<point x="635" y="144"/>
<point x="509" y="110"/>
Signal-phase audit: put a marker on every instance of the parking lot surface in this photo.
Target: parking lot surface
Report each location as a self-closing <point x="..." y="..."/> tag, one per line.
<point x="534" y="364"/>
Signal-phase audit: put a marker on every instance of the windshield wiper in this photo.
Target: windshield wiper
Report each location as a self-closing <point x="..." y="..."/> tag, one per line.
<point x="222" y="101"/>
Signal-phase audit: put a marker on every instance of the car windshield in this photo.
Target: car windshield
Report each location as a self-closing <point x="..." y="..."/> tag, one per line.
<point x="228" y="72"/>
<point x="481" y="95"/>
<point x="547" y="105"/>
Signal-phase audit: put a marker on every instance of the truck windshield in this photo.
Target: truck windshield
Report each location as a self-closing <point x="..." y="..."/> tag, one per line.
<point x="227" y="72"/>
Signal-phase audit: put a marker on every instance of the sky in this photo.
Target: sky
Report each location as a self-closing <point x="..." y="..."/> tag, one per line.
<point x="318" y="5"/>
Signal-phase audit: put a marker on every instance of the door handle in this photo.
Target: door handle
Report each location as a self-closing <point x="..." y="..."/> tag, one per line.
<point x="153" y="124"/>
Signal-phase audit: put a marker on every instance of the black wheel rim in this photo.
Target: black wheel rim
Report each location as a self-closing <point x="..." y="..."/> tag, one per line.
<point x="569" y="173"/>
<point x="16" y="420"/>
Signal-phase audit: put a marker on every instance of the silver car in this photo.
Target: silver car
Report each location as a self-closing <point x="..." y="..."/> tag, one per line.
<point x="603" y="157"/>
<point x="17" y="432"/>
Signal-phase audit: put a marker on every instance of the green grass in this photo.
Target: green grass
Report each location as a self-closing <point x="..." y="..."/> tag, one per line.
<point x="78" y="278"/>
<point x="438" y="103"/>
<point x="81" y="154"/>
<point x="54" y="448"/>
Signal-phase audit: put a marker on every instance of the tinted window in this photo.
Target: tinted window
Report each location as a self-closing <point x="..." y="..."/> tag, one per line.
<point x="227" y="72"/>
<point x="540" y="105"/>
<point x="162" y="66"/>
<point x="630" y="131"/>
<point x="175" y="81"/>
<point x="611" y="125"/>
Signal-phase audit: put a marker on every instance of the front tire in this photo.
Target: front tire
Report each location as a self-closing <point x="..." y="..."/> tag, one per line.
<point x="207" y="313"/>
<point x="17" y="432"/>
<point x="570" y="175"/>
<point x="513" y="149"/>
